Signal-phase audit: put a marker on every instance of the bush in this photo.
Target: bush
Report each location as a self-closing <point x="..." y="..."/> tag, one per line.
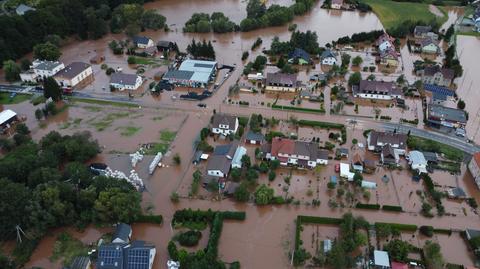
<point x="234" y="215"/>
<point x="426" y="230"/>
<point x="392" y="208"/>
<point x="189" y="238"/>
<point x="368" y="206"/>
<point x="399" y="226"/>
<point x="157" y="219"/>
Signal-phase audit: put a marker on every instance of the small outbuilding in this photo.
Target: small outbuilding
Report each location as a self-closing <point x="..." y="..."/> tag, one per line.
<point x="417" y="161"/>
<point x="7" y="117"/>
<point x="380" y="259"/>
<point x="345" y="171"/>
<point x="254" y="138"/>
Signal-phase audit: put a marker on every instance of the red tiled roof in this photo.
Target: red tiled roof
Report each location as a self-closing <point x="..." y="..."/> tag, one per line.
<point x="398" y="265"/>
<point x="476" y="156"/>
<point x="282" y="145"/>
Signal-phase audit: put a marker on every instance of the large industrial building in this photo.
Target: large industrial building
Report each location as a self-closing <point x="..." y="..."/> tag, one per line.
<point x="192" y="73"/>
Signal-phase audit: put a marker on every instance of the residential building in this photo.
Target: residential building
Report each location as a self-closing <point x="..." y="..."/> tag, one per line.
<point x="385" y="42"/>
<point x="28" y="76"/>
<point x="74" y="74"/>
<point x="220" y="162"/>
<point x="254" y="138"/>
<point x="143" y="42"/>
<point x="357" y="163"/>
<point x="421" y="31"/>
<point x="80" y="262"/>
<point x="122" y="234"/>
<point x="328" y="57"/>
<point x="389" y="156"/>
<point x="380" y="259"/>
<point x="341" y="152"/>
<point x="474" y="168"/>
<point x="237" y="157"/>
<point x="436" y="75"/>
<point x="456" y="193"/>
<point x="22" y="9"/>
<point x="336" y="4"/>
<point x="370" y="89"/>
<point x="388" y="58"/>
<point x="45" y="69"/>
<point x="376" y="141"/>
<point x="296" y="153"/>
<point x="281" y="82"/>
<point x="417" y="161"/>
<point x="192" y="73"/>
<point x="122" y="81"/>
<point x="7" y="117"/>
<point x="299" y="56"/>
<point x="369" y="165"/>
<point x="164" y="45"/>
<point x="439" y="116"/>
<point x="137" y="255"/>
<point x="224" y="124"/>
<point x="428" y="45"/>
<point x="345" y="171"/>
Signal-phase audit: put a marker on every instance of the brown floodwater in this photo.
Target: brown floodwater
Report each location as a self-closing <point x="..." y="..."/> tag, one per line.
<point x="266" y="236"/>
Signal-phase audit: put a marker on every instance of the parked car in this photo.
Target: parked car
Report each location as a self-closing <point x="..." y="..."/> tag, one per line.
<point x="202" y="105"/>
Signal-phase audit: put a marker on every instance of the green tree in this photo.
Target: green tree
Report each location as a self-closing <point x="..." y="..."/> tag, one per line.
<point x="358" y="178"/>
<point x="246" y="162"/>
<point x="263" y="195"/>
<point x="461" y="104"/>
<point x="115" y="205"/>
<point x="152" y="20"/>
<point x="433" y="255"/>
<point x="235" y="174"/>
<point x="357" y="61"/>
<point x="241" y="194"/>
<point x="274" y="164"/>
<point x="51" y="89"/>
<point x="354" y="79"/>
<point x="46" y="51"/>
<point x="346" y="59"/>
<point x="263" y="167"/>
<point x="255" y="9"/>
<point x="15" y="197"/>
<point x="398" y="250"/>
<point x="272" y="175"/>
<point x="251" y="175"/>
<point x="22" y="129"/>
<point x="25" y="64"/>
<point x="176" y="159"/>
<point x="12" y="71"/>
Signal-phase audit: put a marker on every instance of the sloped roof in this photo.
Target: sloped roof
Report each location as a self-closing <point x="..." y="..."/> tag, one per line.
<point x="224" y="119"/>
<point x="282" y="145"/>
<point x="416" y="157"/>
<point x="141" y="40"/>
<point x="299" y="53"/>
<point x="388" y="138"/>
<point x="254" y="136"/>
<point x="420" y="30"/>
<point x="6" y="115"/>
<point x="382" y="87"/>
<point x="381" y="258"/>
<point x="122" y="231"/>
<point x="219" y="162"/>
<point x="327" y="54"/>
<point x="123" y="79"/>
<point x="447" y="113"/>
<point x="281" y="79"/>
<point x="72" y="70"/>
<point x="432" y="70"/>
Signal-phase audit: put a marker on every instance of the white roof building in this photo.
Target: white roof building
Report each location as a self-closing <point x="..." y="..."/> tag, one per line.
<point x="6" y="116"/>
<point x="237" y="157"/>
<point x="417" y="161"/>
<point x="380" y="259"/>
<point x="345" y="171"/>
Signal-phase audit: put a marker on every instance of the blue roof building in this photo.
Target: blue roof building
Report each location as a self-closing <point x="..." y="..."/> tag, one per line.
<point x="299" y="54"/>
<point x="137" y="255"/>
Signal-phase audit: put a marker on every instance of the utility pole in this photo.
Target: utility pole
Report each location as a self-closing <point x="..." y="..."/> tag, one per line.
<point x="19" y="233"/>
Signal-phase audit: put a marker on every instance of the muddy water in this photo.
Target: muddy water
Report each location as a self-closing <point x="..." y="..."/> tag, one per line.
<point x="467" y="49"/>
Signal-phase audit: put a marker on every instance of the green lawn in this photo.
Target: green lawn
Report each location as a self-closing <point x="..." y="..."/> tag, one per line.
<point x="128" y="130"/>
<point x="5" y="98"/>
<point x="66" y="248"/>
<point x="392" y="14"/>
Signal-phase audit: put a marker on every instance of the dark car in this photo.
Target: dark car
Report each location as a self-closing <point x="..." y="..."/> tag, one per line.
<point x="202" y="105"/>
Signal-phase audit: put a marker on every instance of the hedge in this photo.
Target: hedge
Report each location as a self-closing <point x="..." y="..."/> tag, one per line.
<point x="392" y="208"/>
<point x="157" y="219"/>
<point x="443" y="231"/>
<point x="321" y="124"/>
<point x="318" y="220"/>
<point x="399" y="226"/>
<point x="302" y="109"/>
<point x="234" y="215"/>
<point x="368" y="206"/>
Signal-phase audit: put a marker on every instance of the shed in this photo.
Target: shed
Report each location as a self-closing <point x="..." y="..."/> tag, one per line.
<point x="345" y="171"/>
<point x="237" y="157"/>
<point x="369" y="184"/>
<point x="197" y="157"/>
<point x="254" y="138"/>
<point x="456" y="193"/>
<point x="333" y="179"/>
<point x="123" y="233"/>
<point x="380" y="259"/>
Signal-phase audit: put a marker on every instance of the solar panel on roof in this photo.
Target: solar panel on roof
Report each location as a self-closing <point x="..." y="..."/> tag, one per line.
<point x="203" y="65"/>
<point x="439" y="90"/>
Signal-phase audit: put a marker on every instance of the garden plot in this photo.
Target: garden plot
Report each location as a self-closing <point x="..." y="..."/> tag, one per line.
<point x="314" y="235"/>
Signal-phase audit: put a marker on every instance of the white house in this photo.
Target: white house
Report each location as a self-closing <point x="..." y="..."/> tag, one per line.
<point x="345" y="171"/>
<point x="385" y="42"/>
<point x="28" y="76"/>
<point x="417" y="161"/>
<point x="143" y="42"/>
<point x="296" y="153"/>
<point x="121" y="81"/>
<point x="221" y="160"/>
<point x="73" y="74"/>
<point x="45" y="69"/>
<point x="377" y="140"/>
<point x="474" y="168"/>
<point x="328" y="57"/>
<point x="224" y="124"/>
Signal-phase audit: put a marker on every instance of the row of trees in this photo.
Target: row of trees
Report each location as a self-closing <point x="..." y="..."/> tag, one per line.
<point x="54" y="20"/>
<point x="201" y="49"/>
<point x="259" y="16"/>
<point x="47" y="184"/>
<point x="307" y="41"/>
<point x="204" y="23"/>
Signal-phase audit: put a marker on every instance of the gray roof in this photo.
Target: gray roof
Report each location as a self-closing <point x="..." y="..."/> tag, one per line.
<point x="164" y="44"/>
<point x="231" y="187"/>
<point x="47" y="65"/>
<point x="328" y="53"/>
<point x="281" y="79"/>
<point x="388" y="138"/>
<point x="458" y="192"/>
<point x="123" y="79"/>
<point x="416" y="157"/>
<point x="80" y="262"/>
<point x="377" y="87"/>
<point x="224" y="119"/>
<point x="219" y="162"/>
<point x="438" y="112"/>
<point x="137" y="256"/>
<point x="432" y="70"/>
<point x="72" y="70"/>
<point x="225" y="150"/>
<point x="178" y="74"/>
<point x="254" y="136"/>
<point x="430" y="156"/>
<point x="141" y="40"/>
<point x="422" y="30"/>
<point x="122" y="231"/>
<point x="110" y="256"/>
<point x="427" y="41"/>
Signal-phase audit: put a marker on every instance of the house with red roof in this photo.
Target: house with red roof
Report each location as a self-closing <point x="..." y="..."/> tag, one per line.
<point x="295" y="153"/>
<point x="474" y="168"/>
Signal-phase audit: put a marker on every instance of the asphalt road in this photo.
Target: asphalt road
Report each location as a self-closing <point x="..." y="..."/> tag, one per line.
<point x="451" y="140"/>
